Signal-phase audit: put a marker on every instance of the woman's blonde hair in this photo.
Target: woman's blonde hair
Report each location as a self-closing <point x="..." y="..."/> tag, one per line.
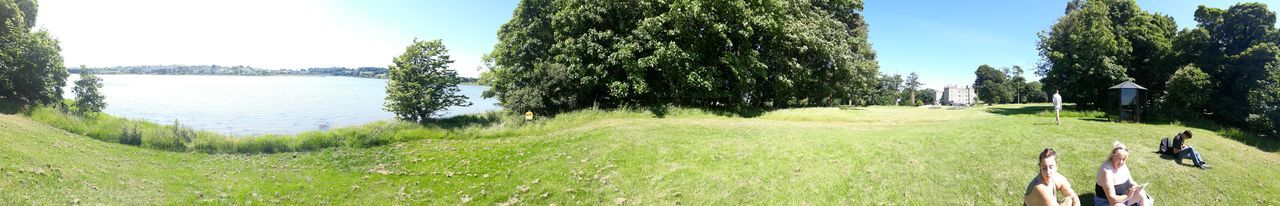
<point x="1116" y="147"/>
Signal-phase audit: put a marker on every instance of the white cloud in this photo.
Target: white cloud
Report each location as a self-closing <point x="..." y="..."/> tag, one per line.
<point x="275" y="34"/>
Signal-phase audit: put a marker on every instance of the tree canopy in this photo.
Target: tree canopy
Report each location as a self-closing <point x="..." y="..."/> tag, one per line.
<point x="31" y="69"/>
<point x="1237" y="48"/>
<point x="560" y="55"/>
<point x="1101" y="43"/>
<point x="1229" y="63"/>
<point x="992" y="85"/>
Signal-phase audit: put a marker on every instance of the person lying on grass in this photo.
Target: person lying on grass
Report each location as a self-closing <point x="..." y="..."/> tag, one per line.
<point x="1115" y="186"/>
<point x="1040" y="191"/>
<point x="1181" y="150"/>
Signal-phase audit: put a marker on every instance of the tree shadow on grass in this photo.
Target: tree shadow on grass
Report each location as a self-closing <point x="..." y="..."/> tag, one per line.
<point x="1095" y="119"/>
<point x="1248" y="138"/>
<point x="463" y="121"/>
<point x="744" y="112"/>
<point x="1260" y="142"/>
<point x="1268" y="144"/>
<point x="1172" y="157"/>
<point x="8" y="106"/>
<point x="1086" y="198"/>
<point x="1026" y="110"/>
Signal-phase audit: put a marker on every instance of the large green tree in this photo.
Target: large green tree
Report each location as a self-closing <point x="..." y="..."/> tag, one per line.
<point x="888" y="91"/>
<point x="31" y="69"/>
<point x="1034" y="91"/>
<point x="559" y="55"/>
<point x="1100" y="43"/>
<point x="992" y="85"/>
<point x="420" y="83"/>
<point x="1237" y="49"/>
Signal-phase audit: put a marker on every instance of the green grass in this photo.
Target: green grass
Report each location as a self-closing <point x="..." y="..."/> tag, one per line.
<point x="175" y="137"/>
<point x="858" y="156"/>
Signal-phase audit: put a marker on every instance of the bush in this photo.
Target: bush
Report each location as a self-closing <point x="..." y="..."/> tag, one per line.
<point x="181" y="134"/>
<point x="131" y="135"/>
<point x="1188" y="90"/>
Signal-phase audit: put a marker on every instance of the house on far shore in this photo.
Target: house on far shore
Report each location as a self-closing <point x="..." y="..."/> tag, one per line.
<point x="957" y="95"/>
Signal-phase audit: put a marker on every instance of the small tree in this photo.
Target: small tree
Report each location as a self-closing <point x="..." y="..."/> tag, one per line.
<point x="913" y="85"/>
<point x="130" y="134"/>
<point x="88" y="98"/>
<point x="181" y="135"/>
<point x="420" y="83"/>
<point x="1189" y="90"/>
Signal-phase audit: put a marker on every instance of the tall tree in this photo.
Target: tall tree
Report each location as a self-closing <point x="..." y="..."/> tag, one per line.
<point x="1237" y="48"/>
<point x="991" y="85"/>
<point x="31" y="69"/>
<point x="1102" y="43"/>
<point x="420" y="83"/>
<point x="912" y="85"/>
<point x="560" y="55"/>
<point x="1016" y="84"/>
<point x="1150" y="60"/>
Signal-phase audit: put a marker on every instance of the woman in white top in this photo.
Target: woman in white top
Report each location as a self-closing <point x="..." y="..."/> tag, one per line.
<point x="1115" y="186"/>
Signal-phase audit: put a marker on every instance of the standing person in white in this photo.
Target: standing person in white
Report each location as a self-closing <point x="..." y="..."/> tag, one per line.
<point x="1057" y="107"/>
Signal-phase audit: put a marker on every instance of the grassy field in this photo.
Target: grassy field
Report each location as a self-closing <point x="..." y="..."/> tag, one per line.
<point x="875" y="155"/>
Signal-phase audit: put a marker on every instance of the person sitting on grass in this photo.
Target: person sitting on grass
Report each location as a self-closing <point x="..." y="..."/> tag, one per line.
<point x="1181" y="150"/>
<point x="1040" y="191"/>
<point x="1115" y="186"/>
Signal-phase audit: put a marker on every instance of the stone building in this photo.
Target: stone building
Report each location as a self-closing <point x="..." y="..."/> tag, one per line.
<point x="957" y="95"/>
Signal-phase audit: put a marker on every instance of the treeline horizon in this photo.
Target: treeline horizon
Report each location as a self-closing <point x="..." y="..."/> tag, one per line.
<point x="238" y="70"/>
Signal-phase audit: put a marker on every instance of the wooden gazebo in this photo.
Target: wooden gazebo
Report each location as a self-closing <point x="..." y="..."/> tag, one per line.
<point x="1131" y="101"/>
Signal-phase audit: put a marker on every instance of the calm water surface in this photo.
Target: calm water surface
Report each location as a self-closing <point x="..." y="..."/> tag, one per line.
<point x="249" y="105"/>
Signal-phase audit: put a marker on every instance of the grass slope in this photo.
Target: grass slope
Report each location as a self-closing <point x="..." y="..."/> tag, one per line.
<point x="876" y="155"/>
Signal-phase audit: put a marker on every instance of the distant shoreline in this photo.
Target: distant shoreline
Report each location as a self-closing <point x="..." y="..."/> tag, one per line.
<point x="239" y="75"/>
<point x="216" y="70"/>
<point x="465" y="79"/>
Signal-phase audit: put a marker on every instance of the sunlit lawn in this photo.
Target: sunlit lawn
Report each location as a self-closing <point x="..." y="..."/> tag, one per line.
<point x="875" y="155"/>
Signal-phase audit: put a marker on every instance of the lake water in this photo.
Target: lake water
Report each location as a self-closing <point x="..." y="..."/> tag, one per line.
<point x="249" y="105"/>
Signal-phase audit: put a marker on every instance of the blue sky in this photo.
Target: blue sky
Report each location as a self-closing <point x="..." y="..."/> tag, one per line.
<point x="943" y="41"/>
